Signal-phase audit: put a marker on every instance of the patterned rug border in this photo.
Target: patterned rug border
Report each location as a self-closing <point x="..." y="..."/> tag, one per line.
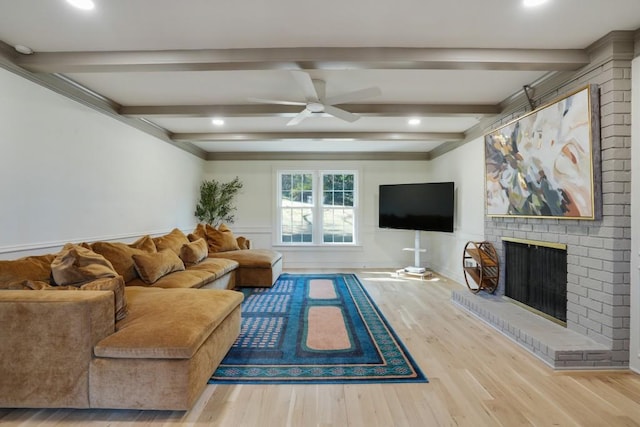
<point x="320" y="374"/>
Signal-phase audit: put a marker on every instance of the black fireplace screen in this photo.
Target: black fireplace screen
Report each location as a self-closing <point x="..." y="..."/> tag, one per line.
<point x="537" y="276"/>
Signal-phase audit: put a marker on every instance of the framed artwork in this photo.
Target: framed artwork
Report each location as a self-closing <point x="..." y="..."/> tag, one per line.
<point x="547" y="163"/>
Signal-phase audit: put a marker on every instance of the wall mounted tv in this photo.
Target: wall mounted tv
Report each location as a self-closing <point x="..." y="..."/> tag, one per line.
<point x="425" y="206"/>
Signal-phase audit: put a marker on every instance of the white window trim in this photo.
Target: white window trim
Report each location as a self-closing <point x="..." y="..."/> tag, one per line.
<point x="317" y="174"/>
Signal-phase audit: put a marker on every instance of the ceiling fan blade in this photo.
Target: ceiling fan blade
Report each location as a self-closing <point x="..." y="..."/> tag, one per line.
<point x="357" y="95"/>
<point x="275" y="101"/>
<point x="340" y="113"/>
<point x="321" y="89"/>
<point x="299" y="117"/>
<point x="306" y="83"/>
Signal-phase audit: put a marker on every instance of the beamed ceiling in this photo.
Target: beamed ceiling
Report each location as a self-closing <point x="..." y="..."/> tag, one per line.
<point x="170" y="67"/>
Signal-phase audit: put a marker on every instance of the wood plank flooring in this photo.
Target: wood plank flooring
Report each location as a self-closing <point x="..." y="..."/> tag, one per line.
<point x="477" y="377"/>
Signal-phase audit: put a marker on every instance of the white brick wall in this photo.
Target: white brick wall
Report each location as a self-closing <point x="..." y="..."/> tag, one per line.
<point x="598" y="252"/>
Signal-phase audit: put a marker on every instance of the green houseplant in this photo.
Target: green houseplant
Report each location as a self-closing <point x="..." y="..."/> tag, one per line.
<point x="216" y="201"/>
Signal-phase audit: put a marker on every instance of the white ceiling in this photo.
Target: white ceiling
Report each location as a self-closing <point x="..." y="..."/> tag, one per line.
<point x="176" y="64"/>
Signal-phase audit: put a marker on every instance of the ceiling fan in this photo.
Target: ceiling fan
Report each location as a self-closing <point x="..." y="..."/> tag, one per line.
<point x="316" y="101"/>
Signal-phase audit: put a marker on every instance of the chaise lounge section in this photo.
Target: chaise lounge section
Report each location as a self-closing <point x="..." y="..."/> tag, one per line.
<point x="256" y="267"/>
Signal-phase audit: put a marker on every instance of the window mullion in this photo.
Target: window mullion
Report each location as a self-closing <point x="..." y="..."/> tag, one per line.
<point x="319" y="223"/>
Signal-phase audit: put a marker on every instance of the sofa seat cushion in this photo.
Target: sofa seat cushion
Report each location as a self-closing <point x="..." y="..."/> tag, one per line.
<point x="251" y="258"/>
<point x="148" y="332"/>
<point x="195" y="276"/>
<point x="219" y="266"/>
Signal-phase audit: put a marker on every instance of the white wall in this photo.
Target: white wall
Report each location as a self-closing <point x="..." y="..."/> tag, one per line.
<point x="255" y="217"/>
<point x="69" y="173"/>
<point x="634" y="353"/>
<point x="465" y="167"/>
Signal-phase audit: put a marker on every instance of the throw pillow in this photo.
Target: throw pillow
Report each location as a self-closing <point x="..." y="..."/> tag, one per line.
<point x="153" y="266"/>
<point x="194" y="252"/>
<point x="36" y="267"/>
<point x="174" y="241"/>
<point x="114" y="284"/>
<point x="25" y="285"/>
<point x="145" y="243"/>
<point x="75" y="265"/>
<point x="200" y="232"/>
<point x="221" y="240"/>
<point x="120" y="256"/>
<point x="243" y="242"/>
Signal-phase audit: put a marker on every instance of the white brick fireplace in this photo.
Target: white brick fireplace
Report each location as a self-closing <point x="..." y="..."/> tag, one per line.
<point x="598" y="251"/>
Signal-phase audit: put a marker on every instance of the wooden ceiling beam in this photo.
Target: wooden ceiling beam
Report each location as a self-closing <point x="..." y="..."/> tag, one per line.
<point x="341" y="136"/>
<point x="318" y="58"/>
<point x="268" y="110"/>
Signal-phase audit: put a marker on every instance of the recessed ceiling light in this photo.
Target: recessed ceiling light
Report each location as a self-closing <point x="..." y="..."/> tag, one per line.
<point x="414" y="121"/>
<point x="25" y="50"/>
<point x="217" y="122"/>
<point x="533" y="3"/>
<point x="82" y="4"/>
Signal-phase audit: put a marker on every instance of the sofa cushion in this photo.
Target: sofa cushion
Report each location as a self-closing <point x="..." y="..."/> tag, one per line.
<point x="217" y="266"/>
<point x="195" y="276"/>
<point x="243" y="242"/>
<point x="37" y="268"/>
<point x="113" y="284"/>
<point x="145" y="243"/>
<point x="120" y="256"/>
<point x="116" y="285"/>
<point x="221" y="239"/>
<point x="173" y="240"/>
<point x="147" y="332"/>
<point x="193" y="252"/>
<point x="153" y="266"/>
<point x="200" y="232"/>
<point x="251" y="258"/>
<point x="75" y="265"/>
<point x="29" y="285"/>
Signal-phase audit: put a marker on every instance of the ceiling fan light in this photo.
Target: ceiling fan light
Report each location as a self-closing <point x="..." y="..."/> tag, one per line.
<point x="82" y="4"/>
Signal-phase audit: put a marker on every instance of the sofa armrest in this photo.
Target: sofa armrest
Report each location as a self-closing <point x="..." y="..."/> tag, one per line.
<point x="47" y="341"/>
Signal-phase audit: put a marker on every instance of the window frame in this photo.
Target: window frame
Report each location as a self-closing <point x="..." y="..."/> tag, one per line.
<point x="318" y="207"/>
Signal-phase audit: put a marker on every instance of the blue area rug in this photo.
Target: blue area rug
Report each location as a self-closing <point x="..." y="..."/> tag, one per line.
<point x="314" y="329"/>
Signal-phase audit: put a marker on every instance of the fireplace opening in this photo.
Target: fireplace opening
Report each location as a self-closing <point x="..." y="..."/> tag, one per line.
<point x="535" y="275"/>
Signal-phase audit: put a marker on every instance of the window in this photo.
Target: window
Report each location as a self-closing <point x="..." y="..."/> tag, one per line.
<point x="317" y="207"/>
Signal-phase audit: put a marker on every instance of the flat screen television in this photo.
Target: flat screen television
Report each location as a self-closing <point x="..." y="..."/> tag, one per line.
<point x="424" y="206"/>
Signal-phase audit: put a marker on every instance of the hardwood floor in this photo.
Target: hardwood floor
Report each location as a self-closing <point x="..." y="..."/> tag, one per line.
<point x="477" y="377"/>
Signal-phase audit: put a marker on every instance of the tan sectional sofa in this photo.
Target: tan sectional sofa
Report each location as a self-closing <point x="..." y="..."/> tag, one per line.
<point x="152" y="344"/>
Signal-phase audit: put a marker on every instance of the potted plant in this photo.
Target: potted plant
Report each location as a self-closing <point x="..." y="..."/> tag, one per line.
<point x="216" y="201"/>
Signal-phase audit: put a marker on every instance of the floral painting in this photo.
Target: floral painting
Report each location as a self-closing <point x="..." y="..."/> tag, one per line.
<point x="541" y="165"/>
